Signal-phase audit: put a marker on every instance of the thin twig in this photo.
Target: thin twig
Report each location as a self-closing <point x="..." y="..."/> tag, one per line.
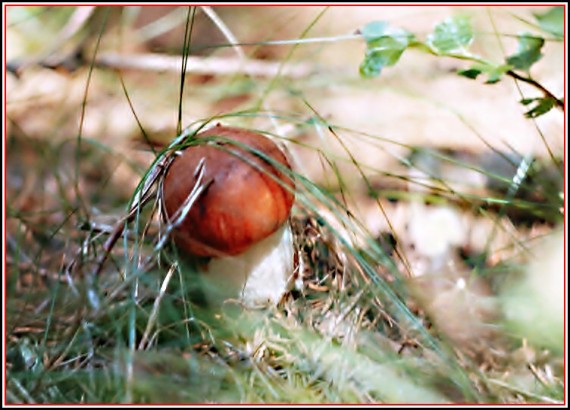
<point x="141" y="198"/>
<point x="201" y="65"/>
<point x="180" y="215"/>
<point x="559" y="103"/>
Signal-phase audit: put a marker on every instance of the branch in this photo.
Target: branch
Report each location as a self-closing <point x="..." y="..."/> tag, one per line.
<point x="161" y="63"/>
<point x="534" y="83"/>
<point x="203" y="65"/>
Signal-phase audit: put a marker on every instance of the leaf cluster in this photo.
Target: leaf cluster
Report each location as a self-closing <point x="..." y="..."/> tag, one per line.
<point x="453" y="38"/>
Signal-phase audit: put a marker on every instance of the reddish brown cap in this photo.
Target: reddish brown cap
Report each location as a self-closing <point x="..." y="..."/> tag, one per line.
<point x="241" y="206"/>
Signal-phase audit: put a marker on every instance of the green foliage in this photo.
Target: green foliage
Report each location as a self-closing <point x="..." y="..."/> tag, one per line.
<point x="453" y="35"/>
<point x="384" y="47"/>
<point x="494" y="73"/>
<point x="528" y="53"/>
<point x="452" y="38"/>
<point x="374" y="30"/>
<point x="543" y="105"/>
<point x="552" y="22"/>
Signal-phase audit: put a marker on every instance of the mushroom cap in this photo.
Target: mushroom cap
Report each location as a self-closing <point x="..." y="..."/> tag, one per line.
<point x="242" y="205"/>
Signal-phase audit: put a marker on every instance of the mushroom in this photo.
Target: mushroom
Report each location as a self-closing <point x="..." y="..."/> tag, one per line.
<point x="238" y="226"/>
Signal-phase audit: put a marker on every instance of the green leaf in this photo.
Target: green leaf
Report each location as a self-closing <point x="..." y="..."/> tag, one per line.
<point x="543" y="105"/>
<point x="528" y="52"/>
<point x="384" y="49"/>
<point x="471" y="73"/>
<point x="552" y="21"/>
<point x="494" y="73"/>
<point x="370" y="68"/>
<point x="453" y="35"/>
<point x="374" y="30"/>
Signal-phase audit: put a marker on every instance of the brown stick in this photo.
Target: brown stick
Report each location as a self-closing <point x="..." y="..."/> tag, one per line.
<point x="534" y="83"/>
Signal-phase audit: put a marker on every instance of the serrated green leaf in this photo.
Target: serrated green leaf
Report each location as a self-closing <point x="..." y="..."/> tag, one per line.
<point x="374" y="30"/>
<point x="453" y="35"/>
<point x="528" y="52"/>
<point x="384" y="51"/>
<point x="552" y="21"/>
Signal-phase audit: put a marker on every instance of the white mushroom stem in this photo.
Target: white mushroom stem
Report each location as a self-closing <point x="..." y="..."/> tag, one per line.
<point x="260" y="276"/>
